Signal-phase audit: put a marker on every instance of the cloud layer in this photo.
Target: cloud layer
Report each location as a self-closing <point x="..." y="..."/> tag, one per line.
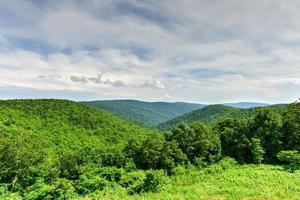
<point x="201" y="51"/>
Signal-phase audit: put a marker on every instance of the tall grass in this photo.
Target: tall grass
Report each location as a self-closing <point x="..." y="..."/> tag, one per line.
<point x="223" y="181"/>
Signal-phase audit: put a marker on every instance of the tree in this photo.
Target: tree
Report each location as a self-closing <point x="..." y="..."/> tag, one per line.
<point x="20" y="157"/>
<point x="257" y="151"/>
<point x="197" y="141"/>
<point x="234" y="139"/>
<point x="291" y="127"/>
<point x="146" y="154"/>
<point x="155" y="153"/>
<point x="172" y="156"/>
<point x="151" y="151"/>
<point x="266" y="126"/>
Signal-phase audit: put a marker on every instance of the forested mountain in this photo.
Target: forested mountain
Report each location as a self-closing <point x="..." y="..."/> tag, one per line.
<point x="149" y="113"/>
<point x="66" y="123"/>
<point x="60" y="149"/>
<point x="215" y="113"/>
<point x="47" y="144"/>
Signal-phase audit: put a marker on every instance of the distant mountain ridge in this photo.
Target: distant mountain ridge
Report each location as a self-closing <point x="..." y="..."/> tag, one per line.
<point x="246" y="104"/>
<point x="154" y="113"/>
<point x="215" y="113"/>
<point x="149" y="113"/>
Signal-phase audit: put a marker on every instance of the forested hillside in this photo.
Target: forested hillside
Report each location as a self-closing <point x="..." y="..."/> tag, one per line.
<point x="149" y="113"/>
<point x="59" y="149"/>
<point x="216" y="113"/>
<point x="66" y="123"/>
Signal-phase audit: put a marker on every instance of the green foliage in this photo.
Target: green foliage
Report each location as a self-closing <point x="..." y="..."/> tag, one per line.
<point x="51" y="140"/>
<point x="133" y="182"/>
<point x="87" y="185"/>
<point x="148" y="113"/>
<point x="266" y="126"/>
<point x="197" y="142"/>
<point x="257" y="151"/>
<point x="154" y="181"/>
<point x="21" y="155"/>
<point x="291" y="127"/>
<point x="60" y="189"/>
<point x="248" y="139"/>
<point x="213" y="114"/>
<point x="58" y="149"/>
<point x="207" y="114"/>
<point x="139" y="182"/>
<point x="234" y="139"/>
<point x="155" y="153"/>
<point x="151" y="151"/>
<point x="292" y="158"/>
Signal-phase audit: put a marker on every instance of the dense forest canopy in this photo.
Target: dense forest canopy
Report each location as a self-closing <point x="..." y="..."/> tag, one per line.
<point x="60" y="149"/>
<point x="215" y="113"/>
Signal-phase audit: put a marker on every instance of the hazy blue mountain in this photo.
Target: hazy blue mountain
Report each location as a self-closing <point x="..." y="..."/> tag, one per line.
<point x="149" y="113"/>
<point x="246" y="104"/>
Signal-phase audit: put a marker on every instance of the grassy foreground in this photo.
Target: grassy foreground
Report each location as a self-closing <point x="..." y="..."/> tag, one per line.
<point x="222" y="182"/>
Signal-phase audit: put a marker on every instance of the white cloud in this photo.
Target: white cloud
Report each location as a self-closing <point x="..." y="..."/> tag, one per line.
<point x="212" y="50"/>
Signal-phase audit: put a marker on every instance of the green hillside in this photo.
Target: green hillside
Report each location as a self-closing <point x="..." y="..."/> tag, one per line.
<point x="59" y="149"/>
<point x="214" y="113"/>
<point x="149" y="113"/>
<point x="66" y="123"/>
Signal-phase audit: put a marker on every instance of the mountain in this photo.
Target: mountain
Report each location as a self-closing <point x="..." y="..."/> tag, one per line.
<point x="206" y="115"/>
<point x="246" y="105"/>
<point x="66" y="124"/>
<point x="149" y="113"/>
<point x="214" y="113"/>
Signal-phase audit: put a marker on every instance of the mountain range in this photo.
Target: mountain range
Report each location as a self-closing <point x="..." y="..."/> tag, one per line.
<point x="154" y="113"/>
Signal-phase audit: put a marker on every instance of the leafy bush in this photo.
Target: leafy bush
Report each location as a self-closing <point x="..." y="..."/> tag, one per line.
<point x="115" y="158"/>
<point x="155" y="153"/>
<point x="225" y="164"/>
<point x="111" y="173"/>
<point x="138" y="181"/>
<point x="86" y="185"/>
<point x="291" y="158"/>
<point x="60" y="189"/>
<point x="133" y="181"/>
<point x="154" y="181"/>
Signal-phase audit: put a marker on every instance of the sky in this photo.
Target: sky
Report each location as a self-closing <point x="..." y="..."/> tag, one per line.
<point x="205" y="51"/>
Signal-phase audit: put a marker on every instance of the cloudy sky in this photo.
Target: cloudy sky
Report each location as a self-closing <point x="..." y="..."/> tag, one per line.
<point x="206" y="51"/>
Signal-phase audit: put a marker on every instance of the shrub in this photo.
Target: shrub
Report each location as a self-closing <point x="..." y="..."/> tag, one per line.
<point x="154" y="181"/>
<point x="291" y="158"/>
<point x="39" y="191"/>
<point x="86" y="185"/>
<point x="139" y="181"/>
<point x="61" y="189"/>
<point x="133" y="181"/>
<point x="115" y="158"/>
<point x="112" y="174"/>
<point x="179" y="170"/>
<point x="224" y="164"/>
<point x="70" y="165"/>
